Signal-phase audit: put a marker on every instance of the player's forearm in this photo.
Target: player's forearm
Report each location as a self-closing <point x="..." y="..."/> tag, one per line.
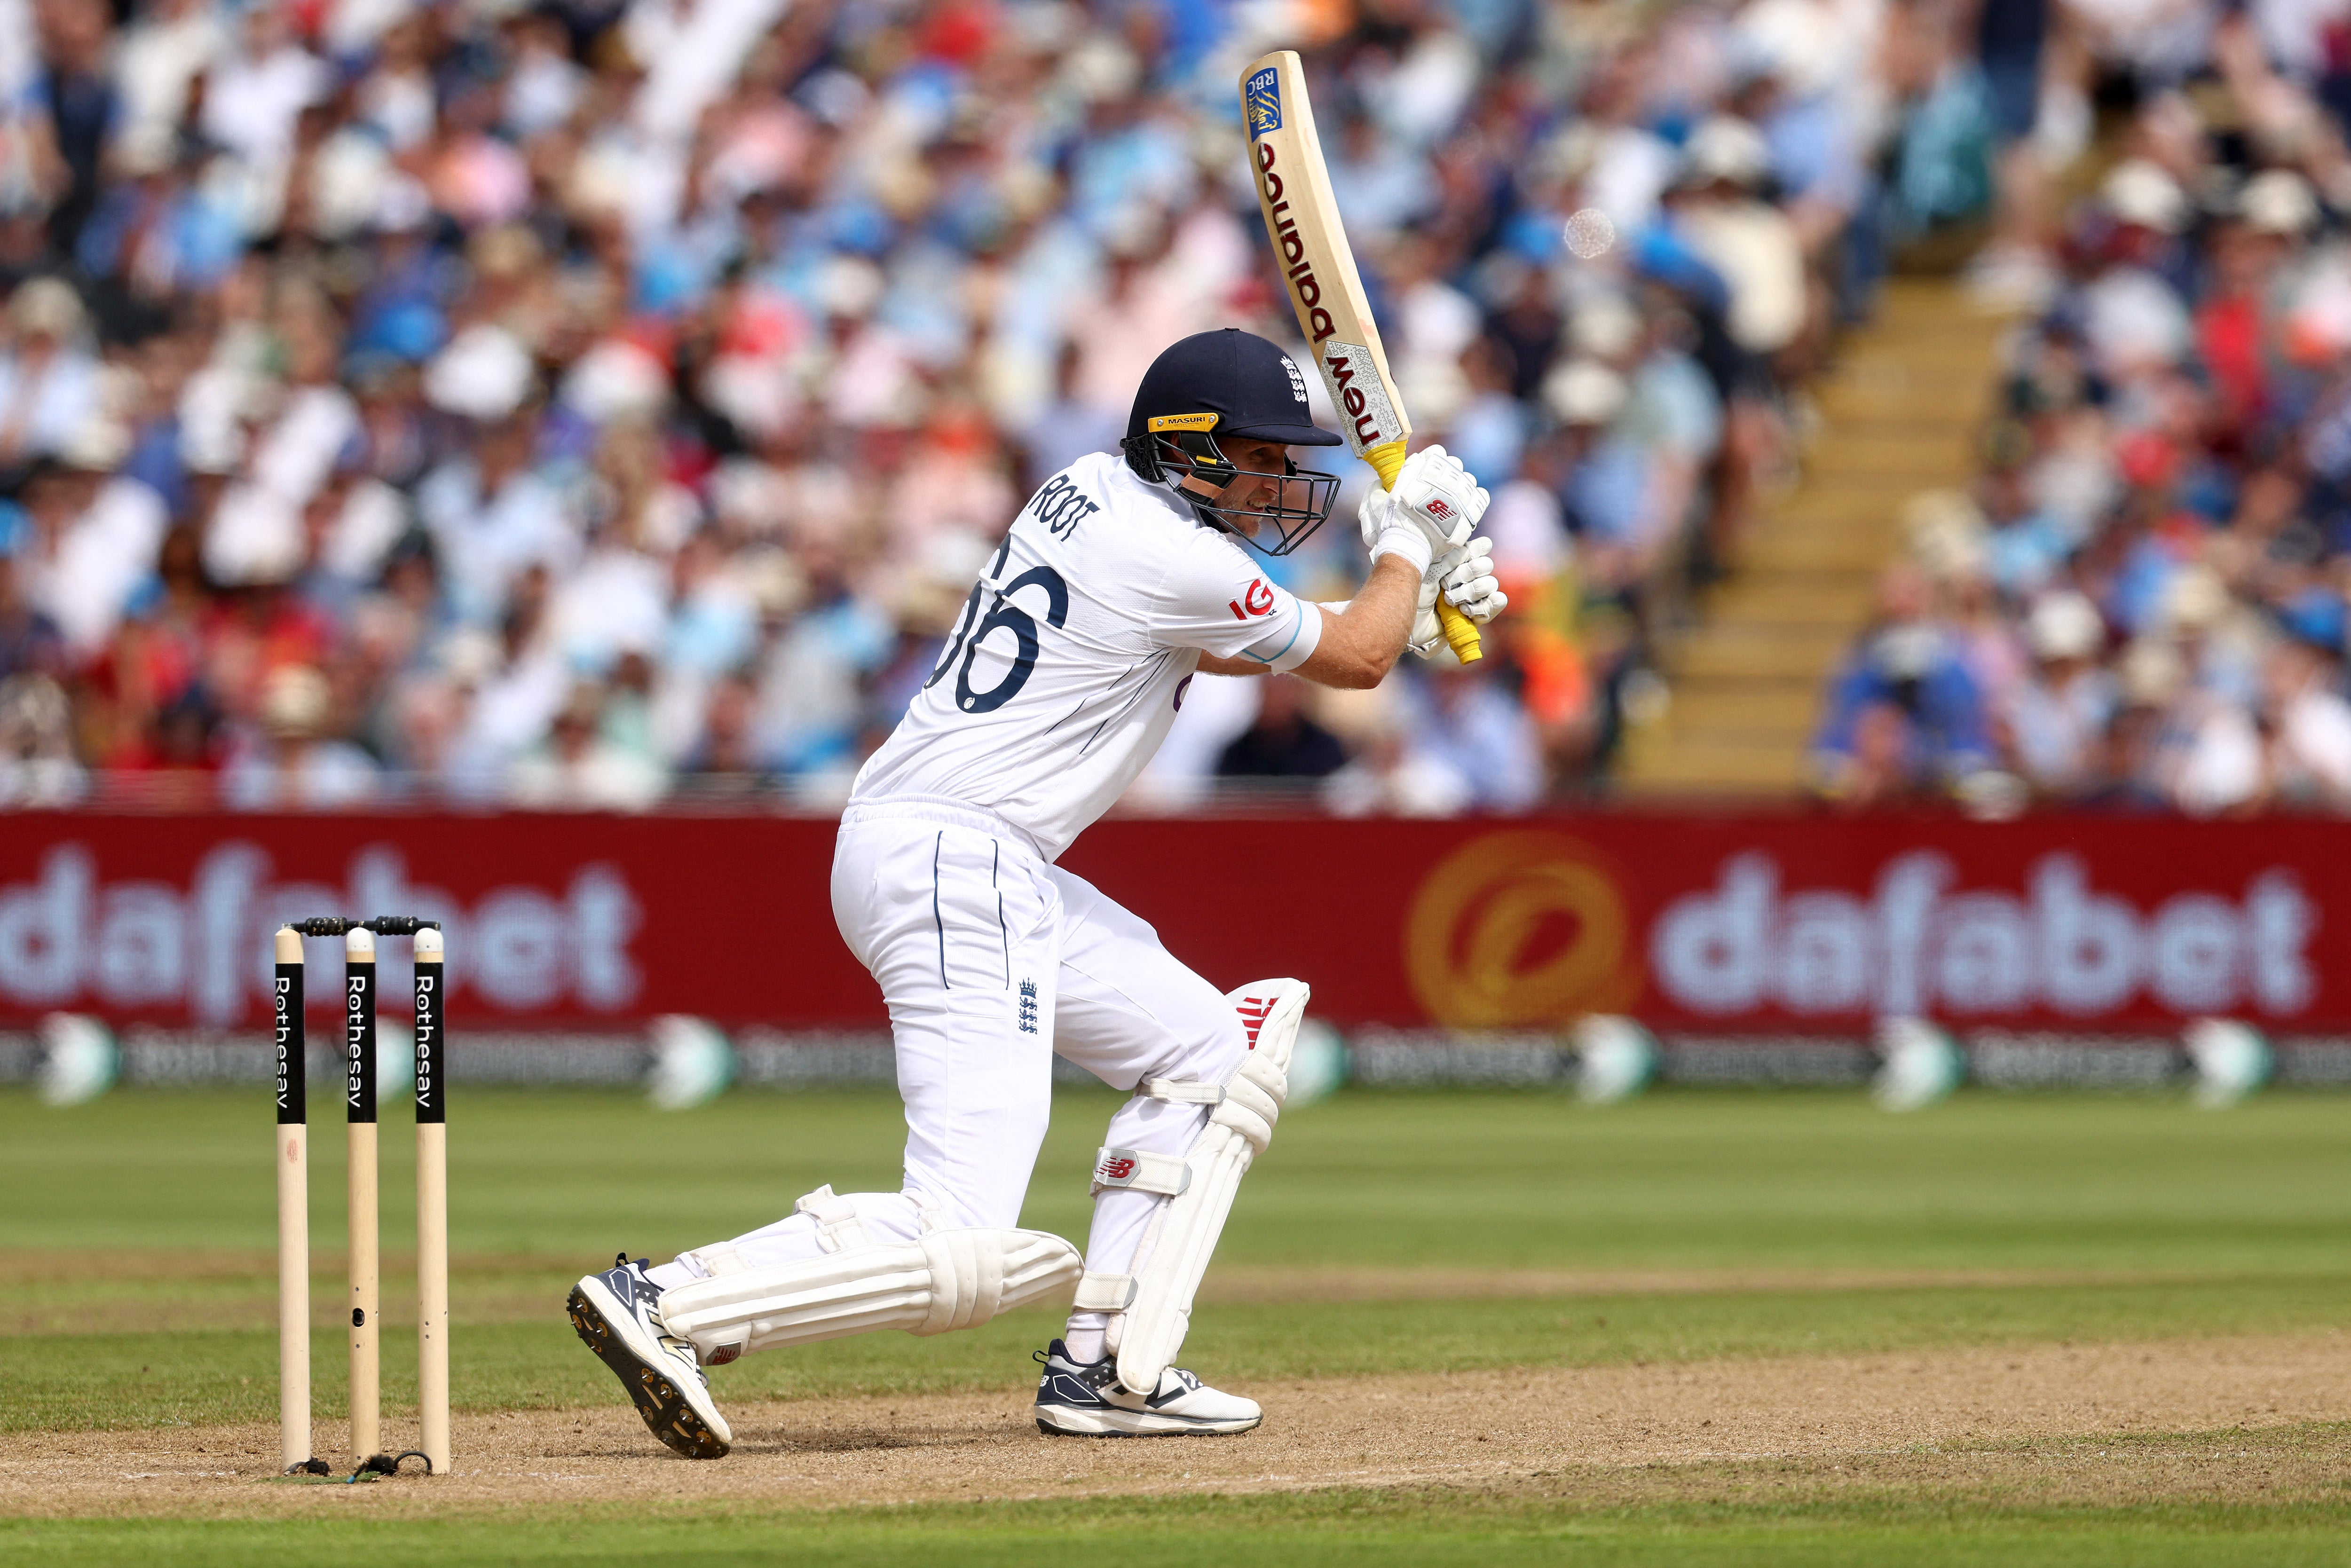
<point x="1362" y="642"/>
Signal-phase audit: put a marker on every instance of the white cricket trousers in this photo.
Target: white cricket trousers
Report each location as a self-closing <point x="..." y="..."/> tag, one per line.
<point x="992" y="962"/>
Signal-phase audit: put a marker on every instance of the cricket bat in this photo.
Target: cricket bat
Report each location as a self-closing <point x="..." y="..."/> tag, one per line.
<point x="1293" y="192"/>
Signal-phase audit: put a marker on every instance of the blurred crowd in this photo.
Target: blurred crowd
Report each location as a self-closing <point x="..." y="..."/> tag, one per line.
<point x="596" y="403"/>
<point x="2141" y="604"/>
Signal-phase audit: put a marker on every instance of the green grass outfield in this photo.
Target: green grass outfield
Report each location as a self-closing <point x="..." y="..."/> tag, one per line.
<point x="138" y="1283"/>
<point x="1309" y="1530"/>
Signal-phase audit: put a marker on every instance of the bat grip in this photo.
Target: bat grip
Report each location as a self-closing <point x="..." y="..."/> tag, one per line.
<point x="1460" y="633"/>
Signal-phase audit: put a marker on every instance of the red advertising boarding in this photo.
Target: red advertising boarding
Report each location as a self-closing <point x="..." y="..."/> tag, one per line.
<point x="1709" y="922"/>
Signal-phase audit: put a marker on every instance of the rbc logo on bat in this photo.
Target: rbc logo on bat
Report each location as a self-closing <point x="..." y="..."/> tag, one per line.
<point x="1263" y="95"/>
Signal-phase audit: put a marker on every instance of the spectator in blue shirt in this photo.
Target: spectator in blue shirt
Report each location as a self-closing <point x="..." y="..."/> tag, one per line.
<point x="1904" y="678"/>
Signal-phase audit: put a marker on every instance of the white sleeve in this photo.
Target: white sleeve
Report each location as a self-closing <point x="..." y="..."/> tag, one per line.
<point x="1214" y="599"/>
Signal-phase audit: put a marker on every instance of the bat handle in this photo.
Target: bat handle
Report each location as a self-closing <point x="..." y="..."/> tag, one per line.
<point x="1460" y="633"/>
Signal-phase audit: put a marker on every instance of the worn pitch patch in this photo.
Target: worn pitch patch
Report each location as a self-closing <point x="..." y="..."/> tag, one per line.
<point x="1696" y="1429"/>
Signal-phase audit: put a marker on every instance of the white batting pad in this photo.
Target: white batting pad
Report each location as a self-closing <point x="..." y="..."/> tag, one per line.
<point x="1176" y="1250"/>
<point x="952" y="1277"/>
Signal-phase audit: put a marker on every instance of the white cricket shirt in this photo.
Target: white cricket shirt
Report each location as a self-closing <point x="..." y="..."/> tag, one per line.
<point x="1071" y="656"/>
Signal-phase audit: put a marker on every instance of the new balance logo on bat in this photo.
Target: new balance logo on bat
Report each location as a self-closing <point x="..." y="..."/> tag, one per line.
<point x="1364" y="399"/>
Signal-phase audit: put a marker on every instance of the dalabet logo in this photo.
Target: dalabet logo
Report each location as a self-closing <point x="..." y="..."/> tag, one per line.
<point x="1921" y="942"/>
<point x="1518" y="929"/>
<point x="74" y="938"/>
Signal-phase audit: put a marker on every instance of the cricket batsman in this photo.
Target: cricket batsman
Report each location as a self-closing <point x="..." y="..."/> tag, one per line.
<point x="1122" y="578"/>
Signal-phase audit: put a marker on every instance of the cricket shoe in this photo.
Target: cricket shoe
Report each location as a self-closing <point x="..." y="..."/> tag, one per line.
<point x="1085" y="1399"/>
<point x="618" y="1316"/>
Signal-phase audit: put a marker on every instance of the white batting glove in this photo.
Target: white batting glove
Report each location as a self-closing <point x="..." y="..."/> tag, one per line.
<point x="1389" y="529"/>
<point x="1435" y="506"/>
<point x="1427" y="632"/>
<point x="1445" y="495"/>
<point x="1465" y="576"/>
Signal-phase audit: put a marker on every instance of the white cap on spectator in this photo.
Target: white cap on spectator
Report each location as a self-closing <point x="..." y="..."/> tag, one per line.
<point x="144" y="147"/>
<point x="470" y="655"/>
<point x="1783" y="38"/>
<point x="98" y="444"/>
<point x="254" y="536"/>
<point x="850" y="286"/>
<point x="2133" y="319"/>
<point x="295" y="700"/>
<point x="44" y="307"/>
<point x="1583" y="392"/>
<point x="347" y="180"/>
<point x="212" y="440"/>
<point x="1433" y="386"/>
<point x="773" y="579"/>
<point x="2278" y="202"/>
<point x="402" y="203"/>
<point x="1946" y="530"/>
<point x="2138" y="192"/>
<point x="484" y="373"/>
<point x="2318" y="321"/>
<point x="600" y="180"/>
<point x="930" y="596"/>
<point x="2063" y="624"/>
<point x="1100" y="68"/>
<point x="2153" y="672"/>
<point x="2195" y="599"/>
<point x="1604" y="326"/>
<point x="617" y="380"/>
<point x="1725" y="147"/>
<point x="748" y="493"/>
<point x="755" y="393"/>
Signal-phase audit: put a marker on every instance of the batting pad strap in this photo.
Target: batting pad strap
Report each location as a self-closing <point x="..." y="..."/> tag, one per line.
<point x="722" y="1258"/>
<point x="1104" y="1292"/>
<point x="1252" y="1101"/>
<point x="1183" y="1092"/>
<point x="838" y="1227"/>
<point x="949" y="1278"/>
<point x="1141" y="1170"/>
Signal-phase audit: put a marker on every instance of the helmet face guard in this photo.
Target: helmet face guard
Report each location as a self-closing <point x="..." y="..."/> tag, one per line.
<point x="1193" y="468"/>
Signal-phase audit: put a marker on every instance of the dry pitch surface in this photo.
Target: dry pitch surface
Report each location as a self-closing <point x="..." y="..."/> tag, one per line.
<point x="2028" y="1419"/>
